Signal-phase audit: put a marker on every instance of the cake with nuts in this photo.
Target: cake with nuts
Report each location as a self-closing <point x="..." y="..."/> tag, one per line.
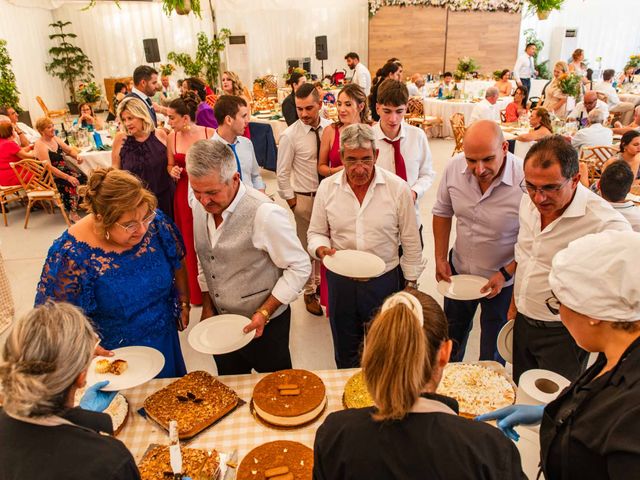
<point x="196" y="464"/>
<point x="195" y="402"/>
<point x="279" y="460"/>
<point x="289" y="398"/>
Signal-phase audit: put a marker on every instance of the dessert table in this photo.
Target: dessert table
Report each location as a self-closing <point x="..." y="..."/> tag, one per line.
<point x="240" y="430"/>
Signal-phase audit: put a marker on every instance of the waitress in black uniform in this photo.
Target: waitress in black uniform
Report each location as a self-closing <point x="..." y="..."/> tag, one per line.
<point x="592" y="430"/>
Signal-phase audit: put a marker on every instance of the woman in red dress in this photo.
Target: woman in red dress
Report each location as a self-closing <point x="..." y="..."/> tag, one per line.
<point x="182" y="116"/>
<point x="10" y="152"/>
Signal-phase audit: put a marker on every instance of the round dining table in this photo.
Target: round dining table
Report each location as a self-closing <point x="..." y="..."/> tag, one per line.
<point x="444" y="109"/>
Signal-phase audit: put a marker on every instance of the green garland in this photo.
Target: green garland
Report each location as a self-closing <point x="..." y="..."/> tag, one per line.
<point x="511" y="6"/>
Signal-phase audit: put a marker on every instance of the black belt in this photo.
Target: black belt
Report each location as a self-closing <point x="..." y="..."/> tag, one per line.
<point x="542" y="324"/>
<point x="306" y="194"/>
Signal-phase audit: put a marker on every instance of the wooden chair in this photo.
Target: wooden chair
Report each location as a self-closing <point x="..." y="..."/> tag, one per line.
<point x="595" y="158"/>
<point x="37" y="180"/>
<point x="50" y="113"/>
<point x="7" y="195"/>
<point x="459" y="129"/>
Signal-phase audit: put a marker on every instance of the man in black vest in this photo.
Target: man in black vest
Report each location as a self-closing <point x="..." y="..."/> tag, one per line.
<point x="145" y="86"/>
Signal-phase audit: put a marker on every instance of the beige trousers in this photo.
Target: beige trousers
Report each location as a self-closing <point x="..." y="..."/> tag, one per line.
<point x="625" y="109"/>
<point x="302" y="214"/>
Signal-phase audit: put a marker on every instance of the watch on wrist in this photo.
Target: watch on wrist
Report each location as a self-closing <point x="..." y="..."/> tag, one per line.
<point x="505" y="274"/>
<point x="265" y="314"/>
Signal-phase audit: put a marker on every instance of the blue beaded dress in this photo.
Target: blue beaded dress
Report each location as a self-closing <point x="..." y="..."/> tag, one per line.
<point x="130" y="297"/>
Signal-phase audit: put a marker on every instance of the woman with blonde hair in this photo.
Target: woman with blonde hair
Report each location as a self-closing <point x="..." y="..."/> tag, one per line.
<point x="541" y="127"/>
<point x="44" y="362"/>
<point x="123" y="264"/>
<point x="141" y="149"/>
<point x="232" y="85"/>
<point x="554" y="100"/>
<point x="411" y="432"/>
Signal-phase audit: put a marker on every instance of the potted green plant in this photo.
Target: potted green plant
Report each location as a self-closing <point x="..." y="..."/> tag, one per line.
<point x="206" y="62"/>
<point x="9" y="93"/>
<point x="544" y="7"/>
<point x="69" y="63"/>
<point x="88" y="92"/>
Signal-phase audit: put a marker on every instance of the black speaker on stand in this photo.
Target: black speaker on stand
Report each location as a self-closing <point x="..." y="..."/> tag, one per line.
<point x="151" y="50"/>
<point x="322" y="52"/>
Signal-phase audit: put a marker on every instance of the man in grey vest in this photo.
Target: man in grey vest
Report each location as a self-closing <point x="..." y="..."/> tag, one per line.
<point x="250" y="260"/>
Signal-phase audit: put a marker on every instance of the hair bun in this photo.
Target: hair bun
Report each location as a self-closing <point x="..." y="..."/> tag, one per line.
<point x="89" y="191"/>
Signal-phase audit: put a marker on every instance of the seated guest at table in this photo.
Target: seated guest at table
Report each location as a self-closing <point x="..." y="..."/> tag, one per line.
<point x="46" y="359"/>
<point x="145" y="81"/>
<point x="182" y="115"/>
<point x="232" y="85"/>
<point x="289" y="103"/>
<point x="168" y="92"/>
<point x="10" y="152"/>
<point x="606" y="88"/>
<point x="556" y="210"/>
<point x="361" y="75"/>
<point x="204" y="115"/>
<point x="446" y="85"/>
<point x="595" y="134"/>
<point x="260" y="266"/>
<point x="370" y="209"/>
<point x="588" y="103"/>
<point x="615" y="184"/>
<point x="352" y="108"/>
<point x="24" y="134"/>
<point x="619" y="129"/>
<point x="232" y="115"/>
<point x="119" y="92"/>
<point x="554" y="100"/>
<point x="87" y="118"/>
<point x="541" y="127"/>
<point x="595" y="289"/>
<point x="518" y="107"/>
<point x="627" y="75"/>
<point x="416" y="87"/>
<point x="503" y="84"/>
<point x="406" y="350"/>
<point x="486" y="109"/>
<point x="51" y="149"/>
<point x="389" y="70"/>
<point x="123" y="264"/>
<point x="629" y="152"/>
<point x="141" y="149"/>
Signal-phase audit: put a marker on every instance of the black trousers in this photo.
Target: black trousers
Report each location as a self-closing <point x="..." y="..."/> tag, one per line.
<point x="548" y="347"/>
<point x="269" y="353"/>
<point x="352" y="305"/>
<point x="493" y="316"/>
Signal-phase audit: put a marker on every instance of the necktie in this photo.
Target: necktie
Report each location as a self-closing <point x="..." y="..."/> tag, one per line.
<point x="317" y="132"/>
<point x="531" y="69"/>
<point x="152" y="112"/>
<point x="233" y="148"/>
<point x="401" y="168"/>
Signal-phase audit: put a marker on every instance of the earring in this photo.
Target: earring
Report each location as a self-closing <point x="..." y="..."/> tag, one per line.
<point x="106" y="235"/>
<point x="592" y="323"/>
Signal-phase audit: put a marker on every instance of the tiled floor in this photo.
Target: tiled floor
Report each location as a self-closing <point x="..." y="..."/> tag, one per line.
<point x="24" y="252"/>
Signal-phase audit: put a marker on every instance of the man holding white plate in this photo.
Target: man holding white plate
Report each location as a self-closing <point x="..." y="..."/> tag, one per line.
<point x="370" y="210"/>
<point x="481" y="187"/>
<point x="250" y="260"/>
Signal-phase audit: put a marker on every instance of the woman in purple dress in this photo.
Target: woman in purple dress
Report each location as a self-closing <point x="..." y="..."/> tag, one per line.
<point x="141" y="149"/>
<point x="204" y="114"/>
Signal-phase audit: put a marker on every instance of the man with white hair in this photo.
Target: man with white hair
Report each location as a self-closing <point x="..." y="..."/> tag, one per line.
<point x="595" y="134"/>
<point x="416" y="87"/>
<point x="250" y="260"/>
<point x="487" y="109"/>
<point x="370" y="209"/>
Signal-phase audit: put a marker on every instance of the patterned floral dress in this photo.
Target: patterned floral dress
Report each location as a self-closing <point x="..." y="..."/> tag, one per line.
<point x="68" y="192"/>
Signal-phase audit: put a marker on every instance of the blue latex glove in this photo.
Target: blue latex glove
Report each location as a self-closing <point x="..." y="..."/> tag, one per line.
<point x="513" y="416"/>
<point x="95" y="399"/>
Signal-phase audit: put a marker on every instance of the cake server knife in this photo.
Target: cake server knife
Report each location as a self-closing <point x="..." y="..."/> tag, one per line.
<point x="175" y="455"/>
<point x="231" y="471"/>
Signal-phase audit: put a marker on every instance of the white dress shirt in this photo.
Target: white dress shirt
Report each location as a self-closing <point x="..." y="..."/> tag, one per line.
<point x="274" y="234"/>
<point x="362" y="77"/>
<point x="524" y="67"/>
<point x="297" y="169"/>
<point x="486" y="223"/>
<point x="485" y="110"/>
<point x="385" y="219"/>
<point x="593" y="135"/>
<point x="587" y="213"/>
<point x="612" y="95"/>
<point x="415" y="150"/>
<point x="581" y="110"/>
<point x="248" y="163"/>
<point x="31" y="134"/>
<point x="631" y="212"/>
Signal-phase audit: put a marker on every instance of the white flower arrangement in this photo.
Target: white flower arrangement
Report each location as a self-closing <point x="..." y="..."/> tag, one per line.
<point x="511" y="6"/>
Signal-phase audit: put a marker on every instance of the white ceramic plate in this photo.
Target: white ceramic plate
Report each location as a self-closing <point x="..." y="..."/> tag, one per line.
<point x="354" y="264"/>
<point x="220" y="334"/>
<point x="505" y="341"/>
<point x="143" y="364"/>
<point x="463" y="287"/>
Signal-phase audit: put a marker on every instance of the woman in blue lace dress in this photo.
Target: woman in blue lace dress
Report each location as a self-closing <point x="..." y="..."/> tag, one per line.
<point x="123" y="264"/>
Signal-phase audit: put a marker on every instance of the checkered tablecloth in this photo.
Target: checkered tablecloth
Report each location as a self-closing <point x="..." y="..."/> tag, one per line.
<point x="238" y="430"/>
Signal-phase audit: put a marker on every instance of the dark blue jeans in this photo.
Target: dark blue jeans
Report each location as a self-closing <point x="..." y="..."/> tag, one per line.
<point x="526" y="82"/>
<point x="493" y="316"/>
<point x="352" y="305"/>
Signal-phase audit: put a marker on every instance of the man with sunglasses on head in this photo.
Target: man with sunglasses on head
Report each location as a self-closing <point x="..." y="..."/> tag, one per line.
<point x="556" y="210"/>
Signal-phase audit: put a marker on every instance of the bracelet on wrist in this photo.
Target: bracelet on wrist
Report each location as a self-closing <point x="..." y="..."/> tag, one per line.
<point x="185" y="305"/>
<point x="265" y="314"/>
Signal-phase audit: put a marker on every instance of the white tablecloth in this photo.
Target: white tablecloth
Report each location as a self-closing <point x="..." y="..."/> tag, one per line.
<point x="477" y="87"/>
<point x="521" y="148"/>
<point x="446" y="108"/>
<point x="92" y="160"/>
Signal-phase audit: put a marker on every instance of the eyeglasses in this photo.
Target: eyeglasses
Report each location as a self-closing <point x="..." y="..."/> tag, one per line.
<point x="353" y="162"/>
<point x="553" y="304"/>
<point x="133" y="226"/>
<point x="544" y="190"/>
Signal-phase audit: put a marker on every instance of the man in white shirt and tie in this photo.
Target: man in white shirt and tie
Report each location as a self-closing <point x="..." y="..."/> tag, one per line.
<point x="232" y="114"/>
<point x="556" y="210"/>
<point x="486" y="109"/>
<point x="250" y="260"/>
<point x="368" y="209"/>
<point x="297" y="174"/>
<point x="595" y="134"/>
<point x="524" y="69"/>
<point x="402" y="149"/>
<point x="361" y="75"/>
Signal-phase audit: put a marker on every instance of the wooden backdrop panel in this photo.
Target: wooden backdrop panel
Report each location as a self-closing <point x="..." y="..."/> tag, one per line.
<point x="416" y="35"/>
<point x="490" y="38"/>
